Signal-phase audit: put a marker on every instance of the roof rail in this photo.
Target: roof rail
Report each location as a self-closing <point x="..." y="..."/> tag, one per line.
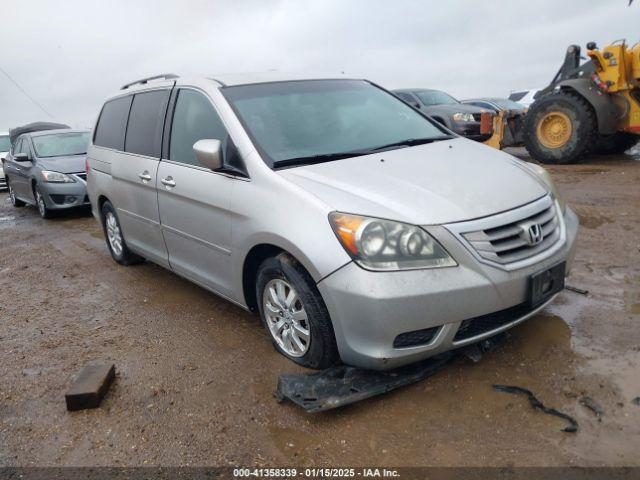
<point x="143" y="81"/>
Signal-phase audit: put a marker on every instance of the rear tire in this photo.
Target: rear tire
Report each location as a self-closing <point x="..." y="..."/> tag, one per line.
<point x="115" y="238"/>
<point x="560" y="128"/>
<point x="306" y="312"/>
<point x="617" y="143"/>
<point x="12" y="195"/>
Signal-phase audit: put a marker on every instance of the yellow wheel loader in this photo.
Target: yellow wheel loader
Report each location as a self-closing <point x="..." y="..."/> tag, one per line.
<point x="590" y="107"/>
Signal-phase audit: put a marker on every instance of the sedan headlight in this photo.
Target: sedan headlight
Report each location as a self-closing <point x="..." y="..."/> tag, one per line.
<point x="544" y="176"/>
<point x="463" y="117"/>
<point x="56" y="177"/>
<point x="378" y="244"/>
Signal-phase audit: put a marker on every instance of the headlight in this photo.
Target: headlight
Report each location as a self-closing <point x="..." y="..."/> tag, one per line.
<point x="546" y="179"/>
<point x="385" y="245"/>
<point x="56" y="177"/>
<point x="463" y="117"/>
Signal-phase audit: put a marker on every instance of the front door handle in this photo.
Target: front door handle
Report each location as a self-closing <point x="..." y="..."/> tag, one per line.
<point x="168" y="182"/>
<point x="144" y="176"/>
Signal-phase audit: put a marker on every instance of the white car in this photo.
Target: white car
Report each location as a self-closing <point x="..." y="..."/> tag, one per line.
<point x="524" y="97"/>
<point x="5" y="146"/>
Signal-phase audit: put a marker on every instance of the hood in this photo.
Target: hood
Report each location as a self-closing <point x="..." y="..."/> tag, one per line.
<point x="441" y="182"/>
<point x="71" y="164"/>
<point x="450" y="109"/>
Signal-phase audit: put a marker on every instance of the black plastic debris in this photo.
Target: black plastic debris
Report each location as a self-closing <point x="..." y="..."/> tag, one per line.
<point x="636" y="401"/>
<point x="581" y="291"/>
<point x="593" y="406"/>
<point x="537" y="404"/>
<point x="341" y="385"/>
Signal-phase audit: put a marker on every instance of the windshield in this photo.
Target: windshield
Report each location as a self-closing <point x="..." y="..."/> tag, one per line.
<point x="435" y="97"/>
<point x="61" y="144"/>
<point x="308" y="119"/>
<point x="5" y="143"/>
<point x="505" y="104"/>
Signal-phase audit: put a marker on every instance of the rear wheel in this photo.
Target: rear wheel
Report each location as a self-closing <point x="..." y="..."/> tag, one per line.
<point x="115" y="240"/>
<point x="294" y="313"/>
<point x="560" y="128"/>
<point x="12" y="195"/>
<point x="617" y="143"/>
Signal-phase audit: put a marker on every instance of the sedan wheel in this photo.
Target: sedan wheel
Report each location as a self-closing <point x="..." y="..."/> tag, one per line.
<point x="42" y="207"/>
<point x="286" y="317"/>
<point x="113" y="233"/>
<point x="14" y="200"/>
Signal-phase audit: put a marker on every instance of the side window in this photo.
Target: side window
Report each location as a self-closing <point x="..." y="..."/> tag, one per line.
<point x="194" y="118"/>
<point x="144" y="130"/>
<point x="113" y="123"/>
<point x="23" y="147"/>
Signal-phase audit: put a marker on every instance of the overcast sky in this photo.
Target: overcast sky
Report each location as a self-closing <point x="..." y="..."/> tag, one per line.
<point x="69" y="55"/>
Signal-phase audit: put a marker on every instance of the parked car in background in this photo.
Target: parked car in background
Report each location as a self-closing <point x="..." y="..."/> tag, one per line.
<point x="5" y="147"/>
<point x="46" y="168"/>
<point x="496" y="104"/>
<point x="361" y="230"/>
<point x="442" y="107"/>
<point x="524" y="97"/>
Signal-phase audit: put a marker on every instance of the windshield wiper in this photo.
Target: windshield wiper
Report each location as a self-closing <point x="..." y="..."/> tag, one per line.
<point x="411" y="142"/>
<point x="312" y="159"/>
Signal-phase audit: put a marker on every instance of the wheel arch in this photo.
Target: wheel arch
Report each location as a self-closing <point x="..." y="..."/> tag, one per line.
<point x="606" y="111"/>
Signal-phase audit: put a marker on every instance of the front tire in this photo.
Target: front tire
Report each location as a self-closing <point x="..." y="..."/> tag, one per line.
<point x="560" y="128"/>
<point x="294" y="314"/>
<point x="44" y="211"/>
<point x="115" y="239"/>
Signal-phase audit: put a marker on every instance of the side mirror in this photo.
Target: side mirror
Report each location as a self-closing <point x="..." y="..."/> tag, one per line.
<point x="209" y="153"/>
<point x="21" y="157"/>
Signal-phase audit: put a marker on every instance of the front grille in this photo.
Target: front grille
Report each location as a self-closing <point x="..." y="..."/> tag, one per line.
<point x="491" y="321"/>
<point x="477" y="117"/>
<point x="507" y="243"/>
<point x="415" y="338"/>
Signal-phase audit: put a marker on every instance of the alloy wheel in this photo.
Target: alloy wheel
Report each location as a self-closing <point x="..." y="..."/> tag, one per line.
<point x="286" y="317"/>
<point x="113" y="233"/>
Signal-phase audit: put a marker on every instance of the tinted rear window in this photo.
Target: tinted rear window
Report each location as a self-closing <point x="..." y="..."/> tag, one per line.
<point x="144" y="131"/>
<point x="112" y="123"/>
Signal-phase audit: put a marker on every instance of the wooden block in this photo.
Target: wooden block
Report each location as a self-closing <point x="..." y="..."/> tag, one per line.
<point x="90" y="387"/>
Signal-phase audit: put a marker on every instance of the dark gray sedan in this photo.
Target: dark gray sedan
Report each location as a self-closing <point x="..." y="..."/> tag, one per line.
<point x="47" y="169"/>
<point x="462" y="119"/>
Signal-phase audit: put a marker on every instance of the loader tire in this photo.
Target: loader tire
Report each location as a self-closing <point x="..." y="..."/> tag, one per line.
<point x="617" y="143"/>
<point x="560" y="128"/>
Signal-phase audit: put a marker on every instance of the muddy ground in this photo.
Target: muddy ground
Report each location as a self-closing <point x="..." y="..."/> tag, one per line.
<point x="196" y="374"/>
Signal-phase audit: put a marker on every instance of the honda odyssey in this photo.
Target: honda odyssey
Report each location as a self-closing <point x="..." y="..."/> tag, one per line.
<point x="358" y="228"/>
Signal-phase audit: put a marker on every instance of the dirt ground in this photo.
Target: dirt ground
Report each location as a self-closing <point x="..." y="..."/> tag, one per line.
<point x="195" y="374"/>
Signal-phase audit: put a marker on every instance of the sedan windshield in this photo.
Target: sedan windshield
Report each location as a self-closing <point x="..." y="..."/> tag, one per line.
<point x="5" y="143"/>
<point x="61" y="144"/>
<point x="436" y="97"/>
<point x="312" y="121"/>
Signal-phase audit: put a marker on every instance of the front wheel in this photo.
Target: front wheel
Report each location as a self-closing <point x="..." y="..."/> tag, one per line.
<point x="43" y="210"/>
<point x="560" y="128"/>
<point x="294" y="313"/>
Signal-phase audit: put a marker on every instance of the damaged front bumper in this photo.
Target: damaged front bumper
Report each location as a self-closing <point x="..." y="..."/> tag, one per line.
<point x="383" y="320"/>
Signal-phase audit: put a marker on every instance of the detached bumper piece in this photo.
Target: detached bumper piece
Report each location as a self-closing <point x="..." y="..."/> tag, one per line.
<point x="341" y="385"/>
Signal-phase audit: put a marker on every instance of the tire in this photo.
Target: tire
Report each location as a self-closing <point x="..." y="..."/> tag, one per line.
<point x="44" y="211"/>
<point x="14" y="201"/>
<point x="114" y="237"/>
<point x="571" y="134"/>
<point x="617" y="143"/>
<point x="321" y="349"/>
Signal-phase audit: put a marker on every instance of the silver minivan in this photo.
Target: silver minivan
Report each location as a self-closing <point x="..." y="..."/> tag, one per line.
<point x="360" y="230"/>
